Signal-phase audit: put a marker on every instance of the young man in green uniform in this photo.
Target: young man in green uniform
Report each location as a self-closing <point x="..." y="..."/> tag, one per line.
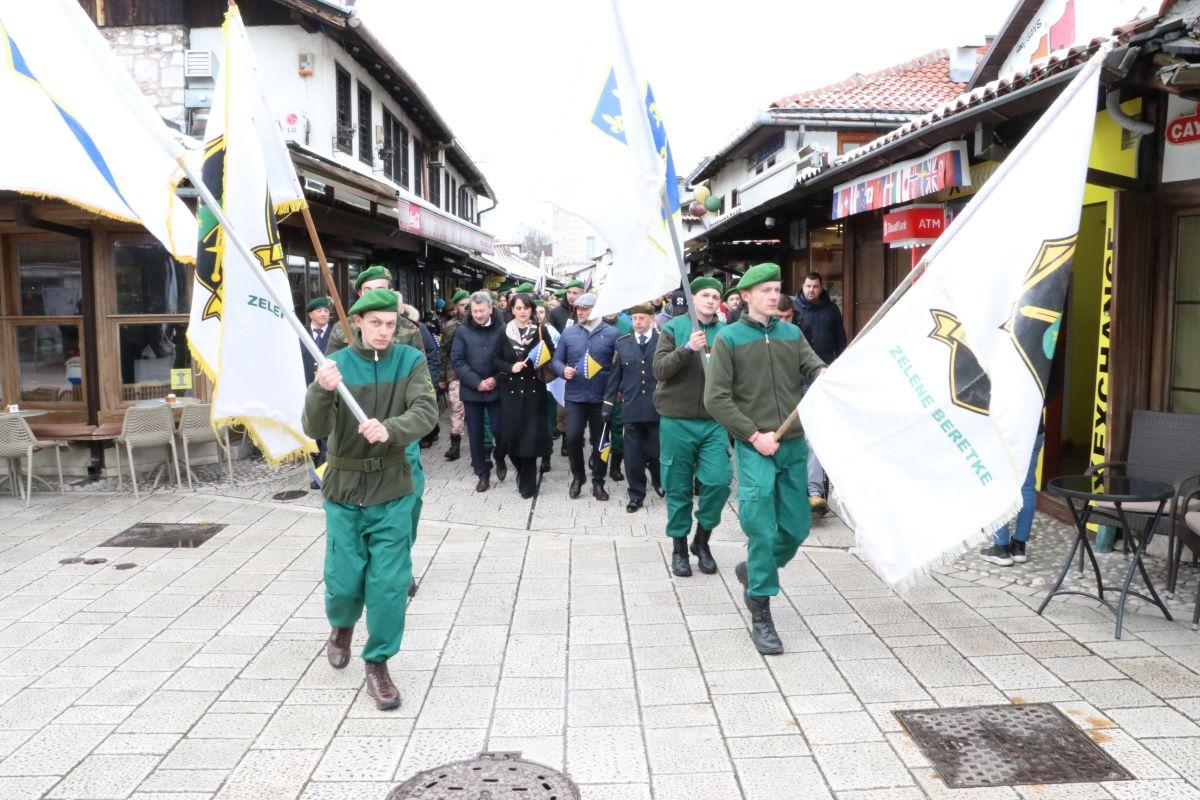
<point x="692" y="445"/>
<point x="754" y="382"/>
<point x="368" y="488"/>
<point x="406" y="333"/>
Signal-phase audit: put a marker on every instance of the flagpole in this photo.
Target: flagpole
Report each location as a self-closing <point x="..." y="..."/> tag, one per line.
<point x="333" y="292"/>
<point x="284" y="305"/>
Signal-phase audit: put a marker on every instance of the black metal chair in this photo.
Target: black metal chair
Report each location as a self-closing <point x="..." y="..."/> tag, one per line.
<point x="1189" y="534"/>
<point x="1163" y="446"/>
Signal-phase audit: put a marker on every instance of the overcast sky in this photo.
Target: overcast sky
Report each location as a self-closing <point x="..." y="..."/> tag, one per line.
<point x="493" y="67"/>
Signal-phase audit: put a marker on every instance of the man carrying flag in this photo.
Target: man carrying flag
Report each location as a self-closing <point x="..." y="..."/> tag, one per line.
<point x="582" y="358"/>
<point x="693" y="447"/>
<point x="368" y="485"/>
<point x="754" y="381"/>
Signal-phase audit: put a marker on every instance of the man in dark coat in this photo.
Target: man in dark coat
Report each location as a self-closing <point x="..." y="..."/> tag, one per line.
<point x="583" y="358"/>
<point x="318" y="310"/>
<point x="473" y="356"/>
<point x="632" y="380"/>
<point x="563" y="315"/>
<point x="821" y="322"/>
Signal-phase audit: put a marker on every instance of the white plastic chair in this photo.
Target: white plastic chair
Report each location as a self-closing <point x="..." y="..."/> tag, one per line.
<point x="151" y="426"/>
<point x="195" y="427"/>
<point x="16" y="442"/>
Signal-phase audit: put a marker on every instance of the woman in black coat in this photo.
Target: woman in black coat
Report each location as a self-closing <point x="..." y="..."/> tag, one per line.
<point x="523" y="395"/>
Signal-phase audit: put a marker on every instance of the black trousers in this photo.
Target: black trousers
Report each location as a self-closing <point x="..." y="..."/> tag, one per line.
<point x="481" y="461"/>
<point x="527" y="475"/>
<point x="641" y="452"/>
<point x="579" y="416"/>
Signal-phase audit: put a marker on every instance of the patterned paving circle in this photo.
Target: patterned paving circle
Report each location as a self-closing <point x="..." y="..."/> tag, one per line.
<point x="1010" y="745"/>
<point x="490" y="775"/>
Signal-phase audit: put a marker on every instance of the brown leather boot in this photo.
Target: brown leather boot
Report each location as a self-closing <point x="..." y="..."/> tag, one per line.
<point x="380" y="686"/>
<point x="337" y="647"/>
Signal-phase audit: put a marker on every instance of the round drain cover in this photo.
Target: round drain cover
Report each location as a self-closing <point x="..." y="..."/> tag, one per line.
<point x="291" y="494"/>
<point x="490" y="775"/>
<point x="93" y="561"/>
<point x="126" y="565"/>
<point x="70" y="561"/>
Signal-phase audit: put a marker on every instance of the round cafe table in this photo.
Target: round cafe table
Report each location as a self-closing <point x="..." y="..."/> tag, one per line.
<point x="24" y="412"/>
<point x="1083" y="493"/>
<point x="162" y="401"/>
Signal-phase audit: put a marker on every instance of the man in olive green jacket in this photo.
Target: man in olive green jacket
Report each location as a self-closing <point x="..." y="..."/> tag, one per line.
<point x="693" y="448"/>
<point x="754" y="382"/>
<point x="368" y="487"/>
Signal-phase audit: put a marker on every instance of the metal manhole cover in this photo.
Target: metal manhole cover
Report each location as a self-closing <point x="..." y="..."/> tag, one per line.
<point x="490" y="776"/>
<point x="291" y="494"/>
<point x="1011" y="745"/>
<point x="160" y="534"/>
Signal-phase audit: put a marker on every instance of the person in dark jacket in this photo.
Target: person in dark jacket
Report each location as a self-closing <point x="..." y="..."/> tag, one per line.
<point x="563" y="315"/>
<point x="632" y="383"/>
<point x="733" y="305"/>
<point x="319" y="326"/>
<point x="584" y="358"/>
<point x="821" y="322"/>
<point x="458" y="313"/>
<point x="433" y="357"/>
<point x="473" y="355"/>
<point x="523" y="395"/>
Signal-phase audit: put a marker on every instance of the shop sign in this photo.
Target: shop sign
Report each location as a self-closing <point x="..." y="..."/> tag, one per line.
<point x="423" y="222"/>
<point x="941" y="169"/>
<point x="1058" y="24"/>
<point x="1181" y="146"/>
<point x="913" y="225"/>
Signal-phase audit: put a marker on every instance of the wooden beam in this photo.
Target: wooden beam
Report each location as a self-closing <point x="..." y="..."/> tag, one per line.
<point x="1111" y="180"/>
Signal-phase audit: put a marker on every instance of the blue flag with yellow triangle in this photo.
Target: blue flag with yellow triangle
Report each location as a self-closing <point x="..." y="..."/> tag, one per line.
<point x="539" y="355"/>
<point x="589" y="366"/>
<point x="605" y="445"/>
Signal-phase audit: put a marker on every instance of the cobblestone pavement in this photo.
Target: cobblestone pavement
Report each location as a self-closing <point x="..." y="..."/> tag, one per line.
<point x="550" y="627"/>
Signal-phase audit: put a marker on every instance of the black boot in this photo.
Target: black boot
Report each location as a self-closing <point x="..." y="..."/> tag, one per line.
<point x="455" y="444"/>
<point x="762" y="627"/>
<point x="614" y="471"/>
<point x="545" y="464"/>
<point x="704" y="557"/>
<point x="679" y="558"/>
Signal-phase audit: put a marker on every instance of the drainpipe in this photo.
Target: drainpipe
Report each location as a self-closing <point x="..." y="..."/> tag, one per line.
<point x="1112" y="102"/>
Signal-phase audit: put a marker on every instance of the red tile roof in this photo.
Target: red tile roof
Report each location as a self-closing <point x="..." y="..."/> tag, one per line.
<point x="919" y="85"/>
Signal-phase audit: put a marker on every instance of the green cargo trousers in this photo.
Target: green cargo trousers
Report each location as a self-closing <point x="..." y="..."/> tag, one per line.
<point x="773" y="509"/>
<point x="368" y="560"/>
<point x="689" y="450"/>
<point x="413" y="454"/>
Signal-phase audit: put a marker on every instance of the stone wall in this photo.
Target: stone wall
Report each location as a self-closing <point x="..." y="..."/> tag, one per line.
<point x="154" y="55"/>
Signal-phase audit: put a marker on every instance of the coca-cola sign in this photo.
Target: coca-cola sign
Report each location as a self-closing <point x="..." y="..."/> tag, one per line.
<point x="1184" y="130"/>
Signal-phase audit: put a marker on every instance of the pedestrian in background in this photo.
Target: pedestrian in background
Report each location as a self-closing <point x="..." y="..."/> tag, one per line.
<point x="821" y="322"/>
<point x="588" y="342"/>
<point x="458" y="313"/>
<point x="523" y="395"/>
<point x="632" y="383"/>
<point x="473" y="354"/>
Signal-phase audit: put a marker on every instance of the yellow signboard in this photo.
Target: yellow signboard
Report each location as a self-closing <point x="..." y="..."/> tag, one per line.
<point x="181" y="380"/>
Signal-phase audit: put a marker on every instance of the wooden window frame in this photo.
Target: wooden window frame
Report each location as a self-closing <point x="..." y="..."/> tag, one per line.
<point x="343" y="111"/>
<point x="366" y="126"/>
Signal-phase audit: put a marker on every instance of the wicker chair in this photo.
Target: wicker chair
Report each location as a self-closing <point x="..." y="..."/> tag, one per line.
<point x="146" y="427"/>
<point x="195" y="427"/>
<point x="16" y="442"/>
<point x="1163" y="447"/>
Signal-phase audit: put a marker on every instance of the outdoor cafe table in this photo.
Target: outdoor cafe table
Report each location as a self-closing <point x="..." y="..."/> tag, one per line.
<point x="1082" y="493"/>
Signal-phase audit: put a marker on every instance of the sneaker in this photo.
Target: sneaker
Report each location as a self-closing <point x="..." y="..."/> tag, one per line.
<point x="996" y="554"/>
<point x="1018" y="551"/>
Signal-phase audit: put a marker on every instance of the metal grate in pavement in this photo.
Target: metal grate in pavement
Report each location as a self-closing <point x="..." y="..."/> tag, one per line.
<point x="160" y="534"/>
<point x="1010" y="745"/>
<point x="489" y="775"/>
<point x="291" y="494"/>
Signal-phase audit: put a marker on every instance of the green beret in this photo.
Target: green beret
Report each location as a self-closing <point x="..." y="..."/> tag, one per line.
<point x="376" y="300"/>
<point x="705" y="282"/>
<point x="524" y="288"/>
<point x="560" y="292"/>
<point x="318" y="302"/>
<point x="642" y="308"/>
<point x="371" y="274"/>
<point x="539" y="304"/>
<point x="759" y="273"/>
<point x="573" y="285"/>
<point x="459" y="296"/>
<point x="730" y="292"/>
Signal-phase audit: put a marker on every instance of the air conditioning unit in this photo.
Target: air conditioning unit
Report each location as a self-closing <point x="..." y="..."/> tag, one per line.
<point x="437" y="158"/>
<point x="199" y="64"/>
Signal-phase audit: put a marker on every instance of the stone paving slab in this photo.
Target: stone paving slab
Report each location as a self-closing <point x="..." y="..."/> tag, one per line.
<point x="550" y="627"/>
